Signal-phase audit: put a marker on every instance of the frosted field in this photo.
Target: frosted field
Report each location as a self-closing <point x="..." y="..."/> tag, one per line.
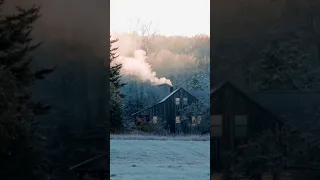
<point x="159" y="160"/>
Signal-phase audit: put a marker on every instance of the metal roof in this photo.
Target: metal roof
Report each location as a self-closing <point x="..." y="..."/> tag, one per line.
<point x="163" y="100"/>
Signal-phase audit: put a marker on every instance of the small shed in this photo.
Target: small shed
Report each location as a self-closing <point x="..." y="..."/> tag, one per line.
<point x="168" y="109"/>
<point x="96" y="168"/>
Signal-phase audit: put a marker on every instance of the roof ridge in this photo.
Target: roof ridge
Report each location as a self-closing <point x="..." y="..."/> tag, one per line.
<point x="165" y="98"/>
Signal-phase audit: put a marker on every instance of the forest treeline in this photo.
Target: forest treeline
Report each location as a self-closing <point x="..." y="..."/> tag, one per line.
<point x="182" y="60"/>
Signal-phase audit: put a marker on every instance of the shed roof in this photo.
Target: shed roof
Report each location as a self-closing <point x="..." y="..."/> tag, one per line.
<point x="290" y="107"/>
<point x="164" y="99"/>
<point x="293" y="108"/>
<point x="227" y="84"/>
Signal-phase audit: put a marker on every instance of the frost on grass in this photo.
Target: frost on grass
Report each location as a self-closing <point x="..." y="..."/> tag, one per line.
<point x="159" y="160"/>
<point x="158" y="137"/>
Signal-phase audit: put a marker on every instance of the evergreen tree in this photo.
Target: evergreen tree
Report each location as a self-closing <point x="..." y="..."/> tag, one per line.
<point x="194" y="84"/>
<point x="285" y="64"/>
<point x="21" y="151"/>
<point x="116" y="105"/>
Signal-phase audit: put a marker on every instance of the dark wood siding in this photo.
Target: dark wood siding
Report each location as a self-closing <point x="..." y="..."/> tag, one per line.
<point x="168" y="110"/>
<point x="229" y="102"/>
<point x="173" y="109"/>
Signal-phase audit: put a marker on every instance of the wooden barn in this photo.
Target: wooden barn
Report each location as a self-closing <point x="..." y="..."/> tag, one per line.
<point x="237" y="116"/>
<point x="168" y="110"/>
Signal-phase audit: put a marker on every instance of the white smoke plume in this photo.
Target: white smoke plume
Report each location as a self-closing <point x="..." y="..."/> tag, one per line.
<point x="138" y="66"/>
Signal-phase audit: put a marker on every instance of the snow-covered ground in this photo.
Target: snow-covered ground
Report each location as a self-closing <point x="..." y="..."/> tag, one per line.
<point x="159" y="160"/>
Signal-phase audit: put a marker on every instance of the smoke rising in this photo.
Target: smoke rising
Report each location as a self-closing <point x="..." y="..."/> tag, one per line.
<point x="134" y="60"/>
<point x="138" y="66"/>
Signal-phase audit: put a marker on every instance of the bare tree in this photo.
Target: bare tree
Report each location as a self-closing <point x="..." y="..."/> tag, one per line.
<point x="147" y="33"/>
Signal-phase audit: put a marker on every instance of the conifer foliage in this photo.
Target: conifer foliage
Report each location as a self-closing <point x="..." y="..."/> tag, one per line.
<point x="20" y="143"/>
<point x="116" y="105"/>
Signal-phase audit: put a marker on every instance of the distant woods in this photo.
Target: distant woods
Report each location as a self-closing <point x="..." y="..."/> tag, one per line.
<point x="185" y="54"/>
<point x="183" y="60"/>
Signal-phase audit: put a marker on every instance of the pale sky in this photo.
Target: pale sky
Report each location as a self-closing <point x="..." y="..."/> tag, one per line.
<point x="169" y="17"/>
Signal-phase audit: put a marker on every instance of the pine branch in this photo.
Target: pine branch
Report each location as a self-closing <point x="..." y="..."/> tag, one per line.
<point x="40" y="108"/>
<point x="40" y="74"/>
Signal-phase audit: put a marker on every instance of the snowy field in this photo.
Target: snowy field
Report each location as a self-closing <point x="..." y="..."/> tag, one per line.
<point x="161" y="159"/>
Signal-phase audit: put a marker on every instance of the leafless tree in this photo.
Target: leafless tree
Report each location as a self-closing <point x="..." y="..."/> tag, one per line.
<point x="147" y="33"/>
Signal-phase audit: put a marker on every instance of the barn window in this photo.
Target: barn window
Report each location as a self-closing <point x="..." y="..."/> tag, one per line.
<point x="139" y="120"/>
<point x="241" y="122"/>
<point x="196" y="120"/>
<point x="193" y="119"/>
<point x="177" y="101"/>
<point x="185" y="101"/>
<point x="178" y="121"/>
<point x="216" y="125"/>
<point x="155" y="119"/>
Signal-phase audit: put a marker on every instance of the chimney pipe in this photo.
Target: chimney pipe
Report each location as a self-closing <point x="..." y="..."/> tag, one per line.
<point x="171" y="89"/>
